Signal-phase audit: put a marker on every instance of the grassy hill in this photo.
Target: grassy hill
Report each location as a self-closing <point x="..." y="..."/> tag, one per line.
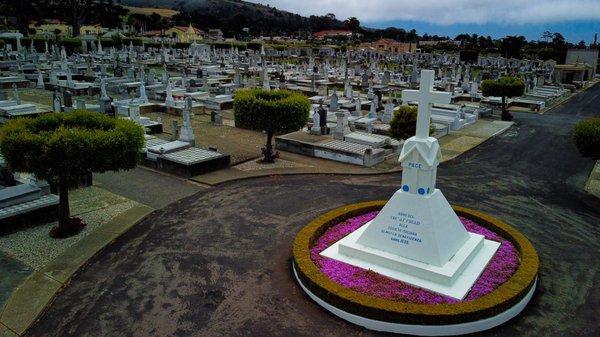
<point x="234" y="15"/>
<point x="164" y="12"/>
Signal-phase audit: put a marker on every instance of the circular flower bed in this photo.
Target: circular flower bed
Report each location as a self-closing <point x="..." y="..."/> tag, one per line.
<point x="367" y="282"/>
<point x="502" y="291"/>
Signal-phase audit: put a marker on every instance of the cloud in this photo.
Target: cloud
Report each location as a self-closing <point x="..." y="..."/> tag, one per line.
<point x="448" y="12"/>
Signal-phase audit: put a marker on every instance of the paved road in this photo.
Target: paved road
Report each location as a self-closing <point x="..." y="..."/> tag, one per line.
<point x="146" y="186"/>
<point x="218" y="263"/>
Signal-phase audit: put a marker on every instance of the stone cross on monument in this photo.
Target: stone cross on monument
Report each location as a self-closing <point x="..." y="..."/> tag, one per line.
<point x="426" y="97"/>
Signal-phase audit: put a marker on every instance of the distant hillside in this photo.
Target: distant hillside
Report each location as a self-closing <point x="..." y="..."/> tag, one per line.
<point x="164" y="12"/>
<point x="234" y="15"/>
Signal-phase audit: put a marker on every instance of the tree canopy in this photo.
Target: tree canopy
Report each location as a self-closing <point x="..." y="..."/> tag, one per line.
<point x="503" y="87"/>
<point x="64" y="147"/>
<point x="274" y="112"/>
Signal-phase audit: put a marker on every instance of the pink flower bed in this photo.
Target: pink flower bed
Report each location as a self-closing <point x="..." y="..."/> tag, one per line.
<point x="367" y="282"/>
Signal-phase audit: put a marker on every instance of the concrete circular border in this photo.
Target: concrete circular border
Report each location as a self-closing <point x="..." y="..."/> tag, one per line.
<point x="419" y="319"/>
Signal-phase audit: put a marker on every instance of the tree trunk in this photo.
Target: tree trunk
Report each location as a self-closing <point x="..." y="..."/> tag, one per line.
<point x="76" y="26"/>
<point x="268" y="153"/>
<point x="64" y="213"/>
<point x="506" y="116"/>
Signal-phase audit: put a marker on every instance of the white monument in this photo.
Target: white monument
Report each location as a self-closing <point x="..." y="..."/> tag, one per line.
<point x="40" y="80"/>
<point x="417" y="237"/>
<point x="169" y="101"/>
<point x="143" y="95"/>
<point x="316" y="127"/>
<point x="186" y="134"/>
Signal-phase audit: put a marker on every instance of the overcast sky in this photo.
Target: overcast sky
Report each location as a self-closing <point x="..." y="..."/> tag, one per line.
<point x="577" y="19"/>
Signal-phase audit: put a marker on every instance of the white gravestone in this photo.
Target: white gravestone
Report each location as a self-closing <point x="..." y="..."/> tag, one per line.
<point x="417" y="237"/>
<point x="186" y="134"/>
<point x="388" y="112"/>
<point x="143" y="95"/>
<point x="169" y="101"/>
<point x="316" y="127"/>
<point x="341" y="128"/>
<point x="357" y="108"/>
<point x="334" y="106"/>
<point x="40" y="80"/>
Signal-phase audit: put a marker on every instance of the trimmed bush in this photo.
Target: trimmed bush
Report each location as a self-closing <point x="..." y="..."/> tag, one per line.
<point x="181" y="45"/>
<point x="273" y="112"/>
<point x="71" y="45"/>
<point x="504" y="87"/>
<point x="62" y="147"/>
<point x="256" y="46"/>
<point x="134" y="41"/>
<point x="586" y="136"/>
<point x="404" y="123"/>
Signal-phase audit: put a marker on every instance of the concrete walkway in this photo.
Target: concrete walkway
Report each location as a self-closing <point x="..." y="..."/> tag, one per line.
<point x="453" y="145"/>
<point x="34" y="267"/>
<point x="218" y="263"/>
<point x="155" y="189"/>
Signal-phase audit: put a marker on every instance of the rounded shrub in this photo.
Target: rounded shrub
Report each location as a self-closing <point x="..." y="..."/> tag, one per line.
<point x="404" y="122"/>
<point x="586" y="136"/>
<point x="273" y="112"/>
<point x="63" y="147"/>
<point x="504" y="87"/>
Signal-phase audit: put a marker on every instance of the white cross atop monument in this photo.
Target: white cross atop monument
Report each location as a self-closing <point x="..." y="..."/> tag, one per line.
<point x="426" y="97"/>
<point x="417" y="237"/>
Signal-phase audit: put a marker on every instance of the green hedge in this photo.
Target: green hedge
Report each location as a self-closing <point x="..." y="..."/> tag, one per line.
<point x="254" y="45"/>
<point x="181" y="45"/>
<point x="586" y="136"/>
<point x="279" y="111"/>
<point x="55" y="144"/>
<point x="404" y="123"/>
<point x="503" y="87"/>
<point x="134" y="41"/>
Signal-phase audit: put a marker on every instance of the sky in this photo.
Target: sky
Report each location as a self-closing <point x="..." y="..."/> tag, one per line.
<point x="576" y="19"/>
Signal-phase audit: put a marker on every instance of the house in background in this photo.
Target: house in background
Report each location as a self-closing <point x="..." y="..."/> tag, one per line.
<point x="55" y="28"/>
<point x="580" y="66"/>
<point x="390" y="46"/>
<point x="90" y="30"/>
<point x="215" y="34"/>
<point x="184" y="34"/>
<point x="333" y="34"/>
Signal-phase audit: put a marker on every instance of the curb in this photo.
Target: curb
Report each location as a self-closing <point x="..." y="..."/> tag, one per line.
<point x="397" y="170"/>
<point x="592" y="185"/>
<point x="34" y="295"/>
<point x="568" y="99"/>
<point x="376" y="309"/>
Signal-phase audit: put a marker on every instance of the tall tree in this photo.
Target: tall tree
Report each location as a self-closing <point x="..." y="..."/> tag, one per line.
<point x="22" y="10"/>
<point x="75" y="11"/>
<point x="353" y="24"/>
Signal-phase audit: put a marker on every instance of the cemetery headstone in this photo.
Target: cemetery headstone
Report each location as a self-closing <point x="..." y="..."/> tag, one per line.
<point x="186" y="132"/>
<point x="68" y="100"/>
<point x="56" y="103"/>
